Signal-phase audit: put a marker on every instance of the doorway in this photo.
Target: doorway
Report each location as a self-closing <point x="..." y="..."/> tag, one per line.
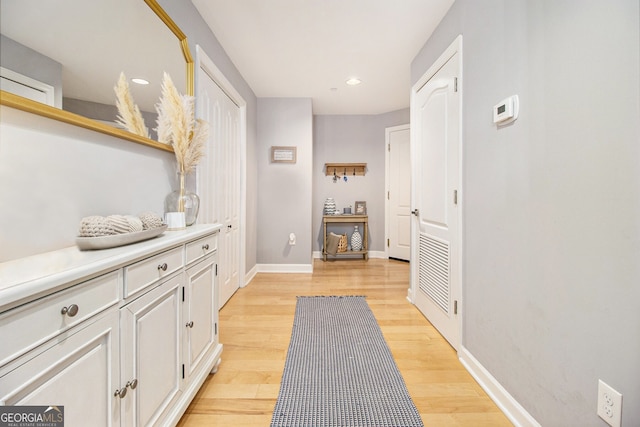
<point x="398" y="197"/>
<point x="221" y="178"/>
<point x="436" y="119"/>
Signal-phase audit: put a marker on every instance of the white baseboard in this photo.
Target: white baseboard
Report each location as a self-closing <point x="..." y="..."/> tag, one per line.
<point x="284" y="268"/>
<point x="372" y="254"/>
<point x="250" y="275"/>
<point x="501" y="397"/>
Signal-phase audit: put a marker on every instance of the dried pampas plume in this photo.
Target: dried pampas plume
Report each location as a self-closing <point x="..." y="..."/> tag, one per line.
<point x="129" y="115"/>
<point x="178" y="126"/>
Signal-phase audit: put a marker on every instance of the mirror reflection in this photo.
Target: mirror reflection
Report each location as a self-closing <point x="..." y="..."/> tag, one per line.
<point x="70" y="53"/>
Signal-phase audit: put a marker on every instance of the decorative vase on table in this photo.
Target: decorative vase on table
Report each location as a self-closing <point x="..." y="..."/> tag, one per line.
<point x="356" y="240"/>
<point x="329" y="206"/>
<point x="182" y="200"/>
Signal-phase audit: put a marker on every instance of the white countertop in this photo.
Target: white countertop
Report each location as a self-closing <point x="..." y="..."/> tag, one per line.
<point x="25" y="279"/>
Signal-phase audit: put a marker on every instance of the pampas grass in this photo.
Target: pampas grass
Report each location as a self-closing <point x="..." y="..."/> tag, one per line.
<point x="178" y="126"/>
<point x="129" y="115"/>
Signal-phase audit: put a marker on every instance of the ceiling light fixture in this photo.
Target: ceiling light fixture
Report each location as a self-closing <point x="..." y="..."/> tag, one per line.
<point x="353" y="81"/>
<point x="140" y="81"/>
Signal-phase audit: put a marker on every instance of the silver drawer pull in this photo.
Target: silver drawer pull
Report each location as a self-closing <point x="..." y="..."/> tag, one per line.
<point x="121" y="393"/>
<point x="190" y="324"/>
<point x="205" y="247"/>
<point x="132" y="384"/>
<point x="70" y="311"/>
<point x="163" y="267"/>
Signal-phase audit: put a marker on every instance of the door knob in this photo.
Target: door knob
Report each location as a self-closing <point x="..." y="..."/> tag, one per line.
<point x="415" y="212"/>
<point x="70" y="311"/>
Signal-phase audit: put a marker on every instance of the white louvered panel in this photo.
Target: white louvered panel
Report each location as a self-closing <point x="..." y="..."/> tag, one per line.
<point x="433" y="273"/>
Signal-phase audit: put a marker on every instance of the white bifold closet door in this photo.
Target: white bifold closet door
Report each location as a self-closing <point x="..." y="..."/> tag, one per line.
<point x="219" y="181"/>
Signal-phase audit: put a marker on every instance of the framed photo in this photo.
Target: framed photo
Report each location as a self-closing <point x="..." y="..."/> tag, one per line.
<point x="283" y="154"/>
<point x="361" y="208"/>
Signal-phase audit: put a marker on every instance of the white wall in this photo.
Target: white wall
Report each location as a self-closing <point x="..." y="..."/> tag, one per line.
<point x="552" y="203"/>
<point x="285" y="189"/>
<point x="352" y="139"/>
<point x="53" y="174"/>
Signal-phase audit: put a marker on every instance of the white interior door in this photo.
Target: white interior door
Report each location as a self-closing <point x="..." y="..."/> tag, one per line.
<point x="398" y="192"/>
<point x="436" y="120"/>
<point x="219" y="180"/>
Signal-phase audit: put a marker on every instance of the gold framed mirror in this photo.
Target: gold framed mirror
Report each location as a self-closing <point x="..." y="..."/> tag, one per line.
<point x="86" y="79"/>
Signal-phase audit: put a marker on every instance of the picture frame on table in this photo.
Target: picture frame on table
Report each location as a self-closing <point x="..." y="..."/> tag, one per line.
<point x="360" y="208"/>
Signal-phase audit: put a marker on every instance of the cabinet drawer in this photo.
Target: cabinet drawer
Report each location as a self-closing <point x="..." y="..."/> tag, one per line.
<point x="145" y="273"/>
<point x="202" y="247"/>
<point x="27" y="326"/>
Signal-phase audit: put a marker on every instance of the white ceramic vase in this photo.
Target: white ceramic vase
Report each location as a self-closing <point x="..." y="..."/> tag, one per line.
<point x="356" y="240"/>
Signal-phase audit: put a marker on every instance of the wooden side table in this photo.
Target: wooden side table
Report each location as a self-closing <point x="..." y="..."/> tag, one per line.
<point x="347" y="219"/>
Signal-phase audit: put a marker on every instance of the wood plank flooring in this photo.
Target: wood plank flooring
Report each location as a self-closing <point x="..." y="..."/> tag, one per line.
<point x="255" y="328"/>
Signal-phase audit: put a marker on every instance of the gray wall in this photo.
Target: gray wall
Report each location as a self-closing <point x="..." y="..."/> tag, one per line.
<point x="352" y="139"/>
<point x="191" y="23"/>
<point x="552" y="203"/>
<point x="285" y="189"/>
<point x="23" y="60"/>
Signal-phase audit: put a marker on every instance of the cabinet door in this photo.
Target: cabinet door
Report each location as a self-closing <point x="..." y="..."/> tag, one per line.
<point x="151" y="353"/>
<point x="79" y="371"/>
<point x="200" y="315"/>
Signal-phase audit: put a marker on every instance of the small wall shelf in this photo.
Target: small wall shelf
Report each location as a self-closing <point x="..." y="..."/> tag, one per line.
<point x="345" y="169"/>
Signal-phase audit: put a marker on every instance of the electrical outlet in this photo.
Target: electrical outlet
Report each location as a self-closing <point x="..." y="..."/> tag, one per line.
<point x="609" y="404"/>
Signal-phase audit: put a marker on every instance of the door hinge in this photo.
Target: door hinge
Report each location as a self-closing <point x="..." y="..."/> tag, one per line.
<point x="216" y="327"/>
<point x="183" y="294"/>
<point x="455" y="306"/>
<point x="216" y="269"/>
<point x="389" y="147"/>
<point x="387" y="242"/>
<point x="388" y="195"/>
<point x="455" y="197"/>
<point x="455" y="84"/>
<point x="183" y="371"/>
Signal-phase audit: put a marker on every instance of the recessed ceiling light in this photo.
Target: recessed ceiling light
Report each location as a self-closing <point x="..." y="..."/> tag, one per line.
<point x="353" y="81"/>
<point x="140" y="81"/>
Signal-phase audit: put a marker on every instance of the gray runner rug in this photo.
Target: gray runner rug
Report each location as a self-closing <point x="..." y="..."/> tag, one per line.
<point x="339" y="371"/>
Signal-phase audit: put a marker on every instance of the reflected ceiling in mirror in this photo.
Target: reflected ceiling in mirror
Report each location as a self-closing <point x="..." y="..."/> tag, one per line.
<point x="79" y="48"/>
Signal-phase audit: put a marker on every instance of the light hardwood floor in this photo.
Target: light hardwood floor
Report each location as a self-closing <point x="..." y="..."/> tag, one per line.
<point x="255" y="328"/>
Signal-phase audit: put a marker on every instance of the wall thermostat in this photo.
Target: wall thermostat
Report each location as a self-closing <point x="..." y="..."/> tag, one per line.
<point x="506" y="111"/>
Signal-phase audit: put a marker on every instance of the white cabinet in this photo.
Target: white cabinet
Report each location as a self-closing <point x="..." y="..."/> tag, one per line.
<point x="130" y="345"/>
<point x="199" y="316"/>
<point x="79" y="371"/>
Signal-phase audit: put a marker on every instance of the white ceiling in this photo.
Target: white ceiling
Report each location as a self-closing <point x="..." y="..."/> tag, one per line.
<point x="309" y="48"/>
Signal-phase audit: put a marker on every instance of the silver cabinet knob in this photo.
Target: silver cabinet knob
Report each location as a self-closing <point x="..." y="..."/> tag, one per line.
<point x="132" y="384"/>
<point x="190" y="324"/>
<point x="70" y="311"/>
<point x="163" y="267"/>
<point x="205" y="247"/>
<point x="121" y="393"/>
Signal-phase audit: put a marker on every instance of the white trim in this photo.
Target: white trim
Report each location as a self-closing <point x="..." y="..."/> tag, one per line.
<point x="206" y="64"/>
<point x="501" y="397"/>
<point x="250" y="275"/>
<point x="387" y="179"/>
<point x="284" y="268"/>
<point x="46" y="89"/>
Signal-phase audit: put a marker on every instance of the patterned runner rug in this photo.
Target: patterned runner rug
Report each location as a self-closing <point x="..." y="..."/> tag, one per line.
<point x="339" y="371"/>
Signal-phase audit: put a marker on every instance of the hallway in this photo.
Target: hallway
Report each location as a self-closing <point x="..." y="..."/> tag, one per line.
<point x="255" y="328"/>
